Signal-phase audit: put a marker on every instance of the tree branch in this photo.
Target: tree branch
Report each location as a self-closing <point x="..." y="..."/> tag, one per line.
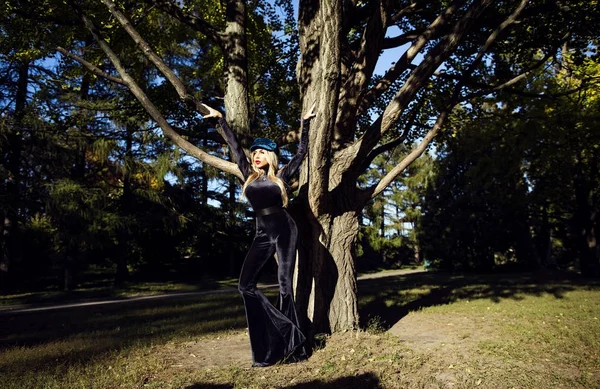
<point x="453" y="101"/>
<point x="412" y="156"/>
<point x="418" y="77"/>
<point x="361" y="72"/>
<point x="390" y="145"/>
<point x="154" y="58"/>
<point x="411" y="9"/>
<point x="397" y="41"/>
<point x="92" y="68"/>
<point x="167" y="130"/>
<point x="404" y="62"/>
<point x="494" y="35"/>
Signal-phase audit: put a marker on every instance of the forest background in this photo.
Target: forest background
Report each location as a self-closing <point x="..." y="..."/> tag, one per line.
<point x="91" y="184"/>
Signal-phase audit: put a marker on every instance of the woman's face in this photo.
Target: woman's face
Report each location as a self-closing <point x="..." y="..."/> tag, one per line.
<point x="259" y="158"/>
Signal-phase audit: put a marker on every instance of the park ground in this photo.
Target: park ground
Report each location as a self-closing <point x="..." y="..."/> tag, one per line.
<point x="418" y="330"/>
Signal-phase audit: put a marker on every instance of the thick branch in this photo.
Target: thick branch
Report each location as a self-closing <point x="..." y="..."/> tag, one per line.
<point x="168" y="131"/>
<point x="424" y="71"/>
<point x="154" y="58"/>
<point x="404" y="62"/>
<point x="494" y="35"/>
<point x="361" y="73"/>
<point x="397" y="41"/>
<point x="415" y="81"/>
<point x="453" y="101"/>
<point x="92" y="68"/>
<point x="410" y="158"/>
<point x="390" y="145"/>
<point x="235" y="53"/>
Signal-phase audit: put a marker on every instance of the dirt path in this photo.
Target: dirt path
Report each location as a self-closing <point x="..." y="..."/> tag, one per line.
<point x="227" y="350"/>
<point x="432" y="331"/>
<point x="457" y="334"/>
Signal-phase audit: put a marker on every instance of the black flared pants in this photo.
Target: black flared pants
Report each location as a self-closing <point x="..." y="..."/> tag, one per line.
<point x="274" y="332"/>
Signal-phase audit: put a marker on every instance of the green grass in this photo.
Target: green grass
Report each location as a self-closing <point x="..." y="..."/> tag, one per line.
<point x="470" y="331"/>
<point x="100" y="285"/>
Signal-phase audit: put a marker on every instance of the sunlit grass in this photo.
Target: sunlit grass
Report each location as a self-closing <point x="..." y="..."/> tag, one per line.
<point x="502" y="331"/>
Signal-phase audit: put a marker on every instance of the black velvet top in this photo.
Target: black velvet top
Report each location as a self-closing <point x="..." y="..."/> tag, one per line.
<point x="262" y="192"/>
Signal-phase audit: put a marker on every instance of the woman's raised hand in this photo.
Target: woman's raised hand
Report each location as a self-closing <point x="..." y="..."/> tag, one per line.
<point x="212" y="113"/>
<point x="311" y="112"/>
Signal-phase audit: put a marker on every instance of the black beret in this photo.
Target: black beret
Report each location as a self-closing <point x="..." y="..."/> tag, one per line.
<point x="263" y="143"/>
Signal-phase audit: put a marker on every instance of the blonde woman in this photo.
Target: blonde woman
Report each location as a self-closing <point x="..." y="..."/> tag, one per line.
<point x="274" y="333"/>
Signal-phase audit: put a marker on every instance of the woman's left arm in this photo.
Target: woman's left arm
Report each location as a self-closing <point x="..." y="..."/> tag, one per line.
<point x="288" y="171"/>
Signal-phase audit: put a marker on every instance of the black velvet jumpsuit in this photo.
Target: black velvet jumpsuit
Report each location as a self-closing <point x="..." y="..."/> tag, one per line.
<point x="274" y="332"/>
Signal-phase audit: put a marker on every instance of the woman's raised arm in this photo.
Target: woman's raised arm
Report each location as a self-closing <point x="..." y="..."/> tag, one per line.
<point x="232" y="141"/>
<point x="288" y="171"/>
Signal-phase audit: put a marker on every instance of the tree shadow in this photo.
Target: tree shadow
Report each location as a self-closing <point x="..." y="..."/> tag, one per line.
<point x="90" y="331"/>
<point x="318" y="267"/>
<point x="362" y="381"/>
<point x="390" y="299"/>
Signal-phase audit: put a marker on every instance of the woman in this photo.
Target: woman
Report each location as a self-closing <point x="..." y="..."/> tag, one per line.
<point x="274" y="332"/>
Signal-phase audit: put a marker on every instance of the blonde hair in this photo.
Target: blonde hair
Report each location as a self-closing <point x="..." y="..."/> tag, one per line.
<point x="273" y="163"/>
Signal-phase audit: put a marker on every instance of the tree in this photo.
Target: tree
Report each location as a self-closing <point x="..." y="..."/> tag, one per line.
<point x="516" y="180"/>
<point x="388" y="229"/>
<point x="468" y="48"/>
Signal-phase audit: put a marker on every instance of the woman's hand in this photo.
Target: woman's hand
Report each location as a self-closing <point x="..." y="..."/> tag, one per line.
<point x="311" y="112"/>
<point x="212" y="113"/>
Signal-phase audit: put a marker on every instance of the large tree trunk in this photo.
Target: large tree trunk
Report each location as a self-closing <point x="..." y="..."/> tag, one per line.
<point x="339" y="239"/>
<point x="10" y="223"/>
<point x="326" y="277"/>
<point x="326" y="273"/>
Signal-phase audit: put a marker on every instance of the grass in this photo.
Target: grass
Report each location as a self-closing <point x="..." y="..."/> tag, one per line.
<point x="422" y="330"/>
<point x="99" y="284"/>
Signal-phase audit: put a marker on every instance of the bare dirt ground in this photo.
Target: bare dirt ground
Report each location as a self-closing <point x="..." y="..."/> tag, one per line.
<point x="207" y="353"/>
<point x="432" y="331"/>
<point x="456" y="334"/>
<point x="234" y="348"/>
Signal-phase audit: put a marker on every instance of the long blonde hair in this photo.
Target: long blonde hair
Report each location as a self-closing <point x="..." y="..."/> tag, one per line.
<point x="273" y="163"/>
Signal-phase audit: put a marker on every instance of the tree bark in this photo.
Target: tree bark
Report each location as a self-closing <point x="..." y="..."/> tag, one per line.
<point x="10" y="223"/>
<point x="127" y="202"/>
<point x="326" y="289"/>
<point x="236" y="67"/>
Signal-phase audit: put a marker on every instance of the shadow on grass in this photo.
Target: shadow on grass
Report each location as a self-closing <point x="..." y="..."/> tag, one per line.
<point x="390" y="299"/>
<point x="79" y="334"/>
<point x="101" y="286"/>
<point x="362" y="381"/>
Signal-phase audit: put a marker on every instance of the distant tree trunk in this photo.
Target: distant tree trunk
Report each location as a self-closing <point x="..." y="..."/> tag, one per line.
<point x="68" y="272"/>
<point x="77" y="174"/>
<point x="525" y="250"/>
<point x="586" y="219"/>
<point x="232" y="260"/>
<point x="382" y="224"/>
<point x="203" y="180"/>
<point x="10" y="224"/>
<point x="127" y="203"/>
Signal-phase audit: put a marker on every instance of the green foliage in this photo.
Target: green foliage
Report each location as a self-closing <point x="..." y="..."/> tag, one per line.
<point x="99" y="185"/>
<point x="517" y="183"/>
<point x="388" y="228"/>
